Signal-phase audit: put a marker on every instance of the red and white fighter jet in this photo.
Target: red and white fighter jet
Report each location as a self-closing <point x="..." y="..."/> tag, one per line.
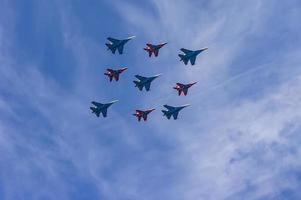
<point x="151" y="48"/>
<point x="142" y="114"/>
<point x="183" y="87"/>
<point x="112" y="73"/>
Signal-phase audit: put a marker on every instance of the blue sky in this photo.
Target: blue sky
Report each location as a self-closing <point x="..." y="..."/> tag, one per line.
<point x="240" y="139"/>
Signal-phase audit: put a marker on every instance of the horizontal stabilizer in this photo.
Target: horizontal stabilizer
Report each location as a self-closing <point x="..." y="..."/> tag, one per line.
<point x="183" y="58"/>
<point x="95" y="110"/>
<point x="109" y="46"/>
<point x="139" y="85"/>
<point x="166" y="113"/>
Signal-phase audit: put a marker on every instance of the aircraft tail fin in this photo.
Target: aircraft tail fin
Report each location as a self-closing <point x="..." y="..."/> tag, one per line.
<point x="110" y="77"/>
<point x="95" y="110"/>
<point x="183" y="58"/>
<point x="138" y="84"/>
<point x="149" y="52"/>
<point x="109" y="45"/>
<point x="166" y="113"/>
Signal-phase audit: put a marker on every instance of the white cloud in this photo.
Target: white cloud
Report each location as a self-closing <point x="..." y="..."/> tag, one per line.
<point x="226" y="150"/>
<point x="218" y="149"/>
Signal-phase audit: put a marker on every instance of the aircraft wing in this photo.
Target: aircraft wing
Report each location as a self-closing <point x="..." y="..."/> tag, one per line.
<point x="104" y="112"/>
<point x="186" y="51"/>
<point x="175" y="115"/>
<point x="116" y="76"/>
<point x="120" y="49"/>
<point x="110" y="70"/>
<point x="184" y="58"/>
<point x="192" y="60"/>
<point x="97" y="104"/>
<point x="95" y="111"/>
<point x="132" y="37"/>
<point x="169" y="107"/>
<point x="149" y="45"/>
<point x="147" y="86"/>
<point x="185" y="90"/>
<point x="113" y="49"/>
<point x="140" y="87"/>
<point x="166" y="113"/>
<point x="156" y="52"/>
<point x="149" y="111"/>
<point x="113" y="40"/>
<point x="162" y="44"/>
<point x="141" y="78"/>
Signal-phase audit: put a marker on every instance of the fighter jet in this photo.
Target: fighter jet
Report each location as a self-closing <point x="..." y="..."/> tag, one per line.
<point x="101" y="108"/>
<point x="190" y="55"/>
<point x="111" y="73"/>
<point x="142" y="114"/>
<point x="144" y="82"/>
<point x="172" y="111"/>
<point x="151" y="48"/>
<point x="183" y="87"/>
<point x="117" y="44"/>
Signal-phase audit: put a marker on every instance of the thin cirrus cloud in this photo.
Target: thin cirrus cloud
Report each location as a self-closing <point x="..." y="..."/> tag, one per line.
<point x="237" y="137"/>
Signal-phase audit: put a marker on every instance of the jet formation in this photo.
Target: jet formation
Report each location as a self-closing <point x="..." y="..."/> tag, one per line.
<point x="145" y="82"/>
